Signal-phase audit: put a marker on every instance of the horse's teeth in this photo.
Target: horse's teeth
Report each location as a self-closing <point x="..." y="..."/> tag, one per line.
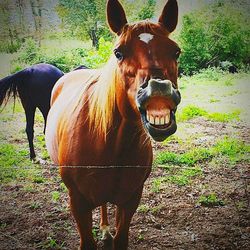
<point x="151" y="119"/>
<point x="162" y="121"/>
<point x="167" y="119"/>
<point x="157" y="121"/>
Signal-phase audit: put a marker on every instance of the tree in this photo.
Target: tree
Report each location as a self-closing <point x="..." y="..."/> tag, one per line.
<point x="85" y="17"/>
<point x="147" y="10"/>
<point x="219" y="32"/>
<point x="36" y="7"/>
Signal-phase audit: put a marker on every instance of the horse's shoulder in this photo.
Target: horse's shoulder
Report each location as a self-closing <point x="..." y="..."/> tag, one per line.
<point x="71" y="81"/>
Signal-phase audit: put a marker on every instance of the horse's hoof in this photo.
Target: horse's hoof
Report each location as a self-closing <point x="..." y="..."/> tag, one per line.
<point x="107" y="238"/>
<point x="38" y="161"/>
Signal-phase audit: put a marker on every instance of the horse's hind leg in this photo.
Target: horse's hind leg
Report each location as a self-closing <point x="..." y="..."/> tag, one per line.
<point x="44" y="111"/>
<point x="124" y="214"/>
<point x="30" y="116"/>
<point x="104" y="226"/>
<point x="83" y="216"/>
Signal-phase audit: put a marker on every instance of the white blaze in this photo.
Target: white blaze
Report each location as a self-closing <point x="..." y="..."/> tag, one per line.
<point x="146" y="37"/>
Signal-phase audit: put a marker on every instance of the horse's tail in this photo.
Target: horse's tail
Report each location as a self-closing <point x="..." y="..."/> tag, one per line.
<point x="8" y="87"/>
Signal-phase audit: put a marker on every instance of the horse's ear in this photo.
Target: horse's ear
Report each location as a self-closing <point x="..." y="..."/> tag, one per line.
<point x="169" y="16"/>
<point x="116" y="16"/>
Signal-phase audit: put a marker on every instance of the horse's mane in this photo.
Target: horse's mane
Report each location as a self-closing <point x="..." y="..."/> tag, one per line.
<point x="102" y="98"/>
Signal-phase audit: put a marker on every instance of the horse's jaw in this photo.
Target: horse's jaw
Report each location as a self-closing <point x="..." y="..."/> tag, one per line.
<point x="157" y="104"/>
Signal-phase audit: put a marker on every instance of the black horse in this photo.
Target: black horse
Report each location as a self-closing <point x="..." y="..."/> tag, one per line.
<point x="33" y="85"/>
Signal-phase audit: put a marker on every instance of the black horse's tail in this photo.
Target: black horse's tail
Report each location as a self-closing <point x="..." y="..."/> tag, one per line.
<point x="8" y="87"/>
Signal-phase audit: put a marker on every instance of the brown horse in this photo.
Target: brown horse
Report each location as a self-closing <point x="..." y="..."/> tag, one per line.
<point x="99" y="124"/>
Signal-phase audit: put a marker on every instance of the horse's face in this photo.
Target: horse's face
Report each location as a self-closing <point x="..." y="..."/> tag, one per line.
<point x="147" y="66"/>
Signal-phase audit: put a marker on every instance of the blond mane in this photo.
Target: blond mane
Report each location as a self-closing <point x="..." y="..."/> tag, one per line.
<point x="102" y="100"/>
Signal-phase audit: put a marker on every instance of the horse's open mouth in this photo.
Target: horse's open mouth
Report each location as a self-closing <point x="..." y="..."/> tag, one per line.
<point x="159" y="120"/>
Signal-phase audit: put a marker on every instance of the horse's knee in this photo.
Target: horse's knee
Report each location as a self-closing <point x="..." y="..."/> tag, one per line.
<point x="29" y="130"/>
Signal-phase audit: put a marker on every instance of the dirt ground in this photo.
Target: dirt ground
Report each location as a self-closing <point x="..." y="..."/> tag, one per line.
<point x="31" y="219"/>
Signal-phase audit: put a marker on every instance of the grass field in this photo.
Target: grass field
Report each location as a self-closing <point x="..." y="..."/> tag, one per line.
<point x="197" y="196"/>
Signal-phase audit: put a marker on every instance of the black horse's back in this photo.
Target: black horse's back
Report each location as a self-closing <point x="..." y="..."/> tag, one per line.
<point x="37" y="77"/>
<point x="40" y="80"/>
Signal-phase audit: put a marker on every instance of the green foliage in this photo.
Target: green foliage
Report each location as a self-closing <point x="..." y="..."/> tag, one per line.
<point x="210" y="73"/>
<point x="66" y="60"/>
<point x="7" y="47"/>
<point x="147" y="11"/>
<point x="85" y="18"/>
<point x="96" y="58"/>
<point x="29" y="51"/>
<point x="210" y="200"/>
<point x="219" y="32"/>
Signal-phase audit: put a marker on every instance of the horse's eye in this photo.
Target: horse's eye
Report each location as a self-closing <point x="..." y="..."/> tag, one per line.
<point x="118" y="54"/>
<point x="177" y="53"/>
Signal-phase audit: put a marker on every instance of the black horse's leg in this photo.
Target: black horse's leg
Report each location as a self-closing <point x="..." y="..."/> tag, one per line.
<point x="30" y="116"/>
<point x="45" y="115"/>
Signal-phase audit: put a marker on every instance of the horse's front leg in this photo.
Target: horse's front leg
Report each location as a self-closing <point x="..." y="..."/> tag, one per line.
<point x="104" y="226"/>
<point x="124" y="215"/>
<point x="82" y="213"/>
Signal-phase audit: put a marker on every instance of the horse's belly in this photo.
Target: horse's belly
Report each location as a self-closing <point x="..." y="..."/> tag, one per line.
<point x="100" y="185"/>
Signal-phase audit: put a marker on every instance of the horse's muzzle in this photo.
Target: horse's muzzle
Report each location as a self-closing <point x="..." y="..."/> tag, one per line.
<point x="157" y="103"/>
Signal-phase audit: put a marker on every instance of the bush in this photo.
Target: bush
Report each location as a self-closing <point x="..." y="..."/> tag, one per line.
<point x="7" y="47"/>
<point x="219" y="32"/>
<point x="65" y="60"/>
<point x="96" y="58"/>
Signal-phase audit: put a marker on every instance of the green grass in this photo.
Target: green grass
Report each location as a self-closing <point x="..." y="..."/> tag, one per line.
<point x="145" y="209"/>
<point x="233" y="149"/>
<point x="189" y="158"/>
<point x="191" y="111"/>
<point x="42" y="145"/>
<point x="16" y="166"/>
<point x="176" y="176"/>
<point x="55" y="195"/>
<point x="213" y="100"/>
<point x="224" y="117"/>
<point x="210" y="200"/>
<point x="182" y="168"/>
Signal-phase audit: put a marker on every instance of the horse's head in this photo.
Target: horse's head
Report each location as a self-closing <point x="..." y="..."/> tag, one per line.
<point x="147" y="69"/>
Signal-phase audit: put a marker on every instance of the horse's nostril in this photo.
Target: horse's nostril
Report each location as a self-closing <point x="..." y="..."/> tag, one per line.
<point x="145" y="84"/>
